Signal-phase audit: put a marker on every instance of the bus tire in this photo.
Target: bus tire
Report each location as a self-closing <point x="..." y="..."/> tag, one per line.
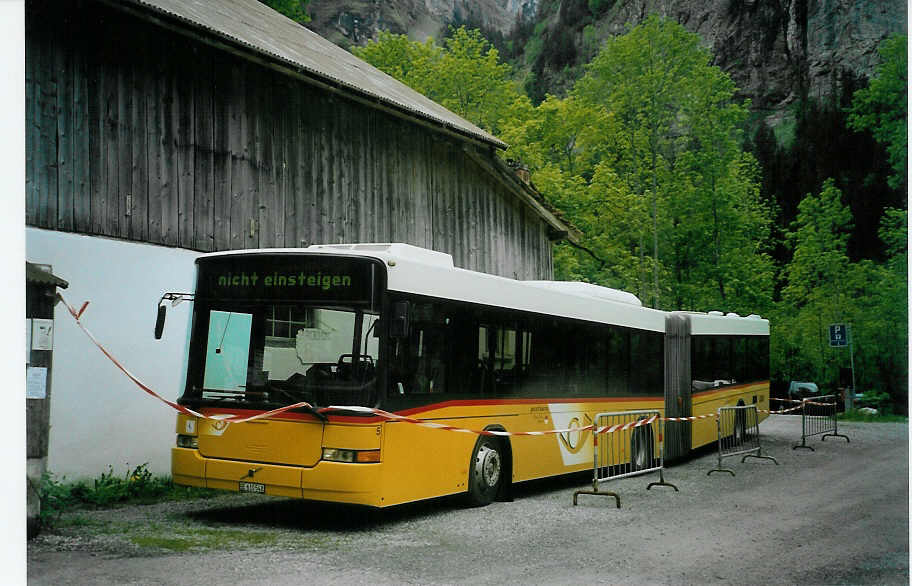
<point x="642" y="449"/>
<point x="486" y="471"/>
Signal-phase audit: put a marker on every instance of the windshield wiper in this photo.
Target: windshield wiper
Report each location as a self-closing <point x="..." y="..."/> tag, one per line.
<point x="315" y="412"/>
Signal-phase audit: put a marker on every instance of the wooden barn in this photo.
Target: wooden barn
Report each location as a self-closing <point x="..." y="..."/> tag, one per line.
<point x="223" y="125"/>
<point x="156" y="129"/>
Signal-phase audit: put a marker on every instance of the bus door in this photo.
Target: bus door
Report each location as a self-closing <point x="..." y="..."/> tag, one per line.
<point x="677" y="385"/>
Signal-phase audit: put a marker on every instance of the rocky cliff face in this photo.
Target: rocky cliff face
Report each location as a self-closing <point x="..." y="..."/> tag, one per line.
<point x="775" y="50"/>
<point x="778" y="50"/>
<point x="354" y="22"/>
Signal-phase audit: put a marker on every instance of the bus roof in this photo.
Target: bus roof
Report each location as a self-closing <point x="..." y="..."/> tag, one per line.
<point x="411" y="269"/>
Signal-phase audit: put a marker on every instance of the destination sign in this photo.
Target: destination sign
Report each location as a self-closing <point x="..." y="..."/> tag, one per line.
<point x="290" y="277"/>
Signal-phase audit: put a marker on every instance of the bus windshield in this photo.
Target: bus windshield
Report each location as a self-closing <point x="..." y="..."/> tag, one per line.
<point x="258" y="348"/>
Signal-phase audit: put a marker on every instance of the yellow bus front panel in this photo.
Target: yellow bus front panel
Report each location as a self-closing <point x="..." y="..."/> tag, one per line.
<point x="292" y="443"/>
<point x="276" y="479"/>
<point x="187" y="467"/>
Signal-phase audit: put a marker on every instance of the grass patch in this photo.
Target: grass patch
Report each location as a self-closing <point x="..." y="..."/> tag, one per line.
<point x="856" y="415"/>
<point x="169" y="543"/>
<point x="206" y="539"/>
<point x="81" y="522"/>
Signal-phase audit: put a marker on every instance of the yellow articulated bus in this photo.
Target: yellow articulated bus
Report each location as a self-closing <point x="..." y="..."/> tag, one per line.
<point x="399" y="328"/>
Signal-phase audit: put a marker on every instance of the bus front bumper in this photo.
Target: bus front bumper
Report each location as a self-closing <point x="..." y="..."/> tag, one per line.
<point x="326" y="481"/>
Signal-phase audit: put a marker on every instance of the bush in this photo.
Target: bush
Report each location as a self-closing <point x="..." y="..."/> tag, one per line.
<point x="138" y="485"/>
<point x="856" y="415"/>
<point x="878" y="400"/>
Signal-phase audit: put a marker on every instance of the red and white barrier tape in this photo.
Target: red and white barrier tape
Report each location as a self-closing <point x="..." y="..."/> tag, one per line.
<point x="493" y="432"/>
<point x="779" y="412"/>
<point x="692" y="418"/>
<point x="230" y="418"/>
<point x="369" y="410"/>
<point x="626" y="426"/>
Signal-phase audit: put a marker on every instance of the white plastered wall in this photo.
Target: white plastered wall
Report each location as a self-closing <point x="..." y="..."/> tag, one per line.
<point x="99" y="418"/>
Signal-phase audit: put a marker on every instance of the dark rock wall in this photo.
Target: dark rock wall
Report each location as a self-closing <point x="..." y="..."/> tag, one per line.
<point x="775" y="50"/>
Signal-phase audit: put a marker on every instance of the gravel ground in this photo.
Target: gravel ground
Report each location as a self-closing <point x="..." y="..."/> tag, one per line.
<point x="838" y="515"/>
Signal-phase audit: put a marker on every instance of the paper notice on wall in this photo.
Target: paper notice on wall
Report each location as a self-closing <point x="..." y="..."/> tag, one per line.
<point x="36" y="382"/>
<point x="42" y="334"/>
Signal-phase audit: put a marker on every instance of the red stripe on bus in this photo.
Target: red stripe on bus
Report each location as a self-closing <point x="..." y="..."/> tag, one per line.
<point x="551" y="401"/>
<point x="425" y="408"/>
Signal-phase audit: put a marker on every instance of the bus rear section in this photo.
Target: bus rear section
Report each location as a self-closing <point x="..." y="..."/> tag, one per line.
<point x="711" y="361"/>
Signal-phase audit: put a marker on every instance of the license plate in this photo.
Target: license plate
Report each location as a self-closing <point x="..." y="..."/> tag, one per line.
<point x="252" y="487"/>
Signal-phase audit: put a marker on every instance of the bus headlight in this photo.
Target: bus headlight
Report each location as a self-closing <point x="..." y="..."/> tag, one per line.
<point x="188" y="441"/>
<point x="337" y="455"/>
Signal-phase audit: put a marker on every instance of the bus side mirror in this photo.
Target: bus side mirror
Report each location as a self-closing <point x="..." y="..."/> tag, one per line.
<point x="160" y="321"/>
<point x="399" y="325"/>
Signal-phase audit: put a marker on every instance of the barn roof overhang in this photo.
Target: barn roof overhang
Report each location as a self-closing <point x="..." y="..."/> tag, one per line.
<point x="257" y="32"/>
<point x="558" y="227"/>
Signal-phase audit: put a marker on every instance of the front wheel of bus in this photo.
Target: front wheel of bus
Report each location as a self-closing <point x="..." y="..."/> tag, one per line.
<point x="486" y="471"/>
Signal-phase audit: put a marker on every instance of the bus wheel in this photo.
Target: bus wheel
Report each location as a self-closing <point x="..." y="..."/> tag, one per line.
<point x="641" y="449"/>
<point x="486" y="471"/>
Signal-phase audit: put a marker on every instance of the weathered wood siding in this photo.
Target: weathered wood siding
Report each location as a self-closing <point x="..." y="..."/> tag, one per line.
<point x="139" y="133"/>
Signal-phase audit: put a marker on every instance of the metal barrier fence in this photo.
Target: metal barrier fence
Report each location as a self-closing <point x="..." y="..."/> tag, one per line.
<point x="738" y="434"/>
<point x="626" y="443"/>
<point x="818" y="416"/>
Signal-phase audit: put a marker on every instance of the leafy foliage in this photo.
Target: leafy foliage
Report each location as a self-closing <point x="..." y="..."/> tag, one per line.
<point x="882" y="106"/>
<point x="296" y="10"/>
<point x="465" y="75"/>
<point x="824" y="287"/>
<point x="822" y="146"/>
<point x="673" y="139"/>
<point x="137" y="485"/>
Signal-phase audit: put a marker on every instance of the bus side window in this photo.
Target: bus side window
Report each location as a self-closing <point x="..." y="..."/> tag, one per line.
<point x="712" y="362"/>
<point x="618" y="377"/>
<point x="419" y="362"/>
<point x="647" y="363"/>
<point x="543" y="358"/>
<point x="504" y="360"/>
<point x="483" y="379"/>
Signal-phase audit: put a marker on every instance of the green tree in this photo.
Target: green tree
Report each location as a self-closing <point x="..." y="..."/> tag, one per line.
<point x="552" y="134"/>
<point x="296" y="10"/>
<point x="882" y="106"/>
<point x="815" y="293"/>
<point x="822" y="287"/>
<point x="398" y="56"/>
<point x="465" y="75"/>
<point x="887" y="339"/>
<point x="819" y="243"/>
<point x="674" y="140"/>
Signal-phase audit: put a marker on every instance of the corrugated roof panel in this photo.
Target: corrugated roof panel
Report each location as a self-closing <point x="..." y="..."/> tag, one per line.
<point x="265" y="31"/>
<point x="35" y="273"/>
